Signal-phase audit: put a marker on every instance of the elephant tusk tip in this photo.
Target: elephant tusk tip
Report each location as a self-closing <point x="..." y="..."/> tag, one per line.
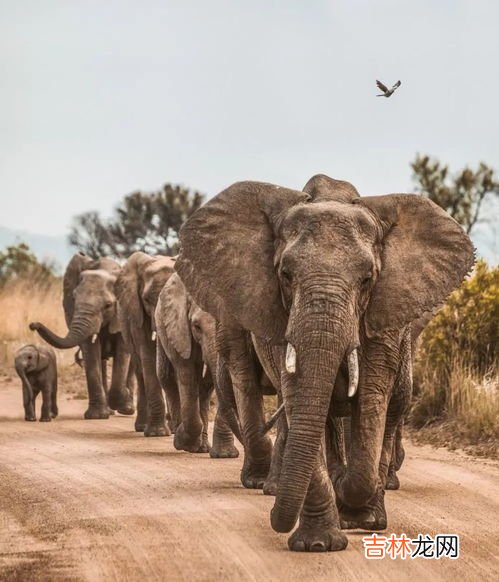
<point x="153" y="336"/>
<point x="94" y="338"/>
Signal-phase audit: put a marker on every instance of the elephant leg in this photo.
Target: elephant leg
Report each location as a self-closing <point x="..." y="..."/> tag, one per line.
<point x="166" y="377"/>
<point x="223" y="439"/>
<point x="204" y="409"/>
<point x="360" y="489"/>
<point x="97" y="400"/>
<point x="28" y="403"/>
<point x="189" y="433"/>
<point x="141" y="420"/>
<point x="55" y="411"/>
<point x="272" y="481"/>
<point x="156" y="407"/>
<point x="105" y="384"/>
<point x="319" y="525"/>
<point x="236" y="353"/>
<point x="46" y="404"/>
<point x="398" y="455"/>
<point x="392" y="460"/>
<point x="120" y="397"/>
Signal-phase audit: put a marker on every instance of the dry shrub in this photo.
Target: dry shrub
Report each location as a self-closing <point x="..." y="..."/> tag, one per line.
<point x="22" y="301"/>
<point x="457" y="364"/>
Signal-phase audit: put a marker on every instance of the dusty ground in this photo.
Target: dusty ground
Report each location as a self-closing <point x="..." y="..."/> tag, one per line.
<point x="92" y="500"/>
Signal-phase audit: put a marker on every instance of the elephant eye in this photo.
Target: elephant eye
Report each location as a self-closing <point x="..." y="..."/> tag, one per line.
<point x="108" y="304"/>
<point x="367" y="278"/>
<point x="286" y="275"/>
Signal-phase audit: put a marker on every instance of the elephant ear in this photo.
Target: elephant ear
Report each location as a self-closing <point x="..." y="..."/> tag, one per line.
<point x="80" y="262"/>
<point x="43" y="359"/>
<point x="174" y="316"/>
<point x="128" y="288"/>
<point x="227" y="256"/>
<point x="323" y="188"/>
<point x="425" y="255"/>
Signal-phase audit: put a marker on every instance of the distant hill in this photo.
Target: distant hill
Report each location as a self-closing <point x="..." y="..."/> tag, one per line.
<point x="53" y="248"/>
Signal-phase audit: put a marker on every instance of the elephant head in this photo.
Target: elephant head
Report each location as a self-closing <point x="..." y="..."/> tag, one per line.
<point x="138" y="289"/>
<point x="184" y="322"/>
<point x="315" y="271"/>
<point x="89" y="301"/>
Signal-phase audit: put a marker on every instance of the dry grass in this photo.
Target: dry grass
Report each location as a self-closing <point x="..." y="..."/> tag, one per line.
<point x="460" y="411"/>
<point x="22" y="302"/>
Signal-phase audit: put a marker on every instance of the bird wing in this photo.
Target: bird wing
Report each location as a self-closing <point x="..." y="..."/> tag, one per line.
<point x="382" y="87"/>
<point x="396" y="86"/>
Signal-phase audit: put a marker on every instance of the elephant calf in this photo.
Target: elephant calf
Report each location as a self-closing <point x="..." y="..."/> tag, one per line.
<point x="37" y="368"/>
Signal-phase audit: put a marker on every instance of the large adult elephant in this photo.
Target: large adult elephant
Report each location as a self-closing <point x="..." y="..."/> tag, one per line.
<point x="186" y="342"/>
<point x="89" y="303"/>
<point x="324" y="283"/>
<point x="138" y="287"/>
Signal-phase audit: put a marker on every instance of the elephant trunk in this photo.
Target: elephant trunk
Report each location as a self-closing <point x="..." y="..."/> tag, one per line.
<point x="83" y="325"/>
<point x="320" y="348"/>
<point x="27" y="388"/>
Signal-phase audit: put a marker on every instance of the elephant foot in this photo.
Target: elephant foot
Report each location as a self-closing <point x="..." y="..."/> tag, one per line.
<point x="223" y="446"/>
<point x="317" y="535"/>
<point x="392" y="481"/>
<point x="126" y="411"/>
<point x="96" y="413"/>
<point x="257" y="463"/>
<point x="30" y="418"/>
<point x="45" y="419"/>
<point x="183" y="441"/>
<point x="219" y="451"/>
<point x="253" y="474"/>
<point x="111" y="412"/>
<point x="372" y="517"/>
<point x="270" y="486"/>
<point x="156" y="430"/>
<point x="118" y="401"/>
<point x="140" y="426"/>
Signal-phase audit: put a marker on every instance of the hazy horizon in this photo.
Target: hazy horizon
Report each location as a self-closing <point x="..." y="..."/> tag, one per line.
<point x="100" y="100"/>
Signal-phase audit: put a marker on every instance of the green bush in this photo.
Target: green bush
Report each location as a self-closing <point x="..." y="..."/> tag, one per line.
<point x="456" y="368"/>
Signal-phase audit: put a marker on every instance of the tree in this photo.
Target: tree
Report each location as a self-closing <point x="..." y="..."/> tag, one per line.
<point x="90" y="235"/>
<point x="461" y="195"/>
<point x="147" y="222"/>
<point x="18" y="262"/>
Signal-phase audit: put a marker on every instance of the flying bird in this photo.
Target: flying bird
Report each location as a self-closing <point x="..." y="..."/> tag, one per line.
<point x="387" y="92"/>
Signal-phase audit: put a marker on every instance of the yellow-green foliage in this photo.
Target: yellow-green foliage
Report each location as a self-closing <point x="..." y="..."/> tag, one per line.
<point x="467" y="325"/>
<point x="456" y="372"/>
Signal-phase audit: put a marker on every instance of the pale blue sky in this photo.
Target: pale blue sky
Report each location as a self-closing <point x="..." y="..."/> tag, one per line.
<point x="101" y="98"/>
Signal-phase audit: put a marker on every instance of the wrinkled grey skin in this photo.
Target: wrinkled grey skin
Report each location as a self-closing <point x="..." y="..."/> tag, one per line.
<point x="327" y="272"/>
<point x="89" y="303"/>
<point x="138" y="287"/>
<point x="186" y="340"/>
<point x="36" y="365"/>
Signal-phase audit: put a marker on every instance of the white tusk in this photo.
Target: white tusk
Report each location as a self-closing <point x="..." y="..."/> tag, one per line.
<point x="205" y="370"/>
<point x="353" y="373"/>
<point x="153" y="336"/>
<point x="290" y="359"/>
<point x="94" y="338"/>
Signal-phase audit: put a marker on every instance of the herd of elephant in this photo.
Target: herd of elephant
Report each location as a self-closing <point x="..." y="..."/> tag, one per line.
<point x="317" y="296"/>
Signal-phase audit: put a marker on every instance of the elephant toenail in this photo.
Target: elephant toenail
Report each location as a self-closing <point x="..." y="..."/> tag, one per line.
<point x="318" y="546"/>
<point x="299" y="546"/>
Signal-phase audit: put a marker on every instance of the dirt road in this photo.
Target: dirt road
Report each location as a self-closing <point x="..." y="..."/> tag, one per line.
<point x="92" y="500"/>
